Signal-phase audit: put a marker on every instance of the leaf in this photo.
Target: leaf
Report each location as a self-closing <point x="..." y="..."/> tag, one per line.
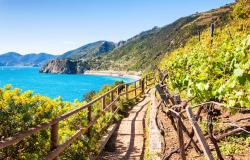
<point x="238" y="72"/>
<point x="200" y="86"/>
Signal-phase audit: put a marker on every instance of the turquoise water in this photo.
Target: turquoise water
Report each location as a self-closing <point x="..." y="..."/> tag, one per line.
<point x="69" y="87"/>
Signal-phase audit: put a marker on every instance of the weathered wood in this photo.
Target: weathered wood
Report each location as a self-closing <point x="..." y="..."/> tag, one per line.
<point x="185" y="130"/>
<point x="199" y="34"/>
<point x="199" y="134"/>
<point x="126" y="91"/>
<point x="135" y="89"/>
<point x="54" y="139"/>
<point x="177" y="99"/>
<point x="180" y="139"/>
<point x="103" y="102"/>
<point x="222" y="136"/>
<point x="212" y="33"/>
<point x="210" y="133"/>
<point x="112" y="99"/>
<point x="142" y="86"/>
<point x="89" y="120"/>
<point x="162" y="94"/>
<point x="57" y="149"/>
<point x="53" y="154"/>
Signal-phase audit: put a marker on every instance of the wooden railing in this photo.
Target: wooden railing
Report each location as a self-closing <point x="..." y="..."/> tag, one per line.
<point x="138" y="87"/>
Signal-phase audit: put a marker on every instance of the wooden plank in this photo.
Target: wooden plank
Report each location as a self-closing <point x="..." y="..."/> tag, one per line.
<point x="89" y="120"/>
<point x="162" y="94"/>
<point x="199" y="134"/>
<point x="112" y="99"/>
<point x="180" y="139"/>
<point x="126" y="91"/>
<point x="135" y="89"/>
<point x="54" y="139"/>
<point x="103" y="102"/>
<point x="105" y="139"/>
<point x="142" y="86"/>
<point x="20" y="136"/>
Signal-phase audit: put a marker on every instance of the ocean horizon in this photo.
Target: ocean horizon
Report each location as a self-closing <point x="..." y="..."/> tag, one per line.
<point x="68" y="86"/>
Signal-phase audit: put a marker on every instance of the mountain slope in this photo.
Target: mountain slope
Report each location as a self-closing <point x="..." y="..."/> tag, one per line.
<point x="217" y="70"/>
<point x="16" y="59"/>
<point x="145" y="50"/>
<point x="89" y="50"/>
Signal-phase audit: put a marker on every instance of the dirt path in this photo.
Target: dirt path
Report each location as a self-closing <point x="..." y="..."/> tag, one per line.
<point x="127" y="142"/>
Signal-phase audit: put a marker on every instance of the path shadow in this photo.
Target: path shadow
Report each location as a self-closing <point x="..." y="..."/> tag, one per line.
<point x="131" y="152"/>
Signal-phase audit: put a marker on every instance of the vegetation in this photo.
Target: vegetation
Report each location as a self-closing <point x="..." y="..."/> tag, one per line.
<point x="214" y="69"/>
<point x="32" y="59"/>
<point x="90" y="50"/>
<point x="22" y="110"/>
<point x="147" y="154"/>
<point x="210" y="69"/>
<point x="144" y="51"/>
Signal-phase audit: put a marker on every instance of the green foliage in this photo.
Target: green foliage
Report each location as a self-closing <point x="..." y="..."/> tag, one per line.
<point x="220" y="72"/>
<point x="144" y="51"/>
<point x="241" y="9"/>
<point x="22" y="110"/>
<point x="234" y="145"/>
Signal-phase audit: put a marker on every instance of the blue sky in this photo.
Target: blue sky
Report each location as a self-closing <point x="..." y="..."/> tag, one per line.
<point x="56" y="26"/>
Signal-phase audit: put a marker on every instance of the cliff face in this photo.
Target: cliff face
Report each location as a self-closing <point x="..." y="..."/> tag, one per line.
<point x="65" y="66"/>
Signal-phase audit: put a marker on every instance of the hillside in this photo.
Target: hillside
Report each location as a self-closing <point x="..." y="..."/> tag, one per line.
<point x="16" y="59"/>
<point x="146" y="49"/>
<point x="89" y="50"/>
<point x="143" y="51"/>
<point x="215" y="69"/>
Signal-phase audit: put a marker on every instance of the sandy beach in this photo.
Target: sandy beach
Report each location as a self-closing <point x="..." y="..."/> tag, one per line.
<point x="129" y="74"/>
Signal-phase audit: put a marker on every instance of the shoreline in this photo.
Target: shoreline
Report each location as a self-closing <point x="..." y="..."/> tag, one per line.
<point x="124" y="74"/>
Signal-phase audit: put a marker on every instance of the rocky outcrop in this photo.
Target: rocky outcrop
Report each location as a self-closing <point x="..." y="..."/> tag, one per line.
<point x="65" y="66"/>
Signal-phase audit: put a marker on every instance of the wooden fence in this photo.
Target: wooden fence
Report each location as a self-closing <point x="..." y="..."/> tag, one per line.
<point x="175" y="109"/>
<point x="138" y="87"/>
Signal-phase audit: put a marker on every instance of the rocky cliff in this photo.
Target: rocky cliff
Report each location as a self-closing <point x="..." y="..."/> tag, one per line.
<point x="65" y="66"/>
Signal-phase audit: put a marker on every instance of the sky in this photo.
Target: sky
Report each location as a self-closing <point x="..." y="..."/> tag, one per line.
<point x="56" y="26"/>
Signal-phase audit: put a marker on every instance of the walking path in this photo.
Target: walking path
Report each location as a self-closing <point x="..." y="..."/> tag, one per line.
<point x="127" y="143"/>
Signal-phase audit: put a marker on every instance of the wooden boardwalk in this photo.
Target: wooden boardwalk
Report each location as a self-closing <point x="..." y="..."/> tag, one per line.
<point x="127" y="143"/>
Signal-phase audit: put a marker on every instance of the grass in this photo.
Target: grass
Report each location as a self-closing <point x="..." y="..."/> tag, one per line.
<point x="147" y="155"/>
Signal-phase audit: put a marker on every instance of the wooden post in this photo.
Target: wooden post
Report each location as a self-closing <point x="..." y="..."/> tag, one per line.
<point x="162" y="94"/>
<point x="142" y="86"/>
<point x="180" y="139"/>
<point x="126" y="91"/>
<point x="103" y="102"/>
<point x="89" y="120"/>
<point x="118" y="92"/>
<point x="199" y="33"/>
<point x="177" y="99"/>
<point x="112" y="99"/>
<point x="54" y="139"/>
<point x="135" y="90"/>
<point x="210" y="133"/>
<point x="212" y="34"/>
<point x="199" y="134"/>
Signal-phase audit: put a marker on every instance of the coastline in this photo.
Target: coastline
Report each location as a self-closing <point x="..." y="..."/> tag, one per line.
<point x="130" y="74"/>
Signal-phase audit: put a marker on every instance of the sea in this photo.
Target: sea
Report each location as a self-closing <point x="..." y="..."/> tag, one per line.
<point x="68" y="86"/>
